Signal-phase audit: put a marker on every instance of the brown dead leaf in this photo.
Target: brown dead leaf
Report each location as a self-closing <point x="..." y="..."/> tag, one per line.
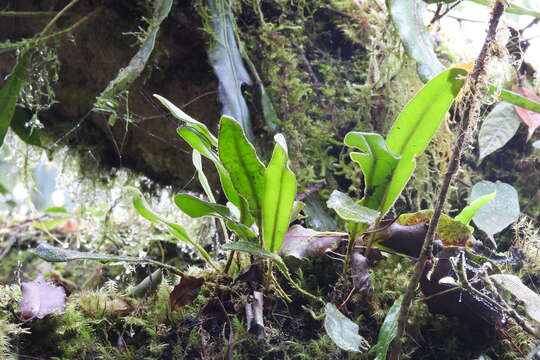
<point x="530" y="118"/>
<point x="185" y="292"/>
<point x="41" y="298"/>
<point x="301" y="242"/>
<point x="360" y="271"/>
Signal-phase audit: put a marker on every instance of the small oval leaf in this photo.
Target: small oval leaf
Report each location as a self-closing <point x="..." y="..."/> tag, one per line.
<point x="342" y="330"/>
<point x="499" y="213"/>
<point x="349" y="210"/>
<point x="497" y="129"/>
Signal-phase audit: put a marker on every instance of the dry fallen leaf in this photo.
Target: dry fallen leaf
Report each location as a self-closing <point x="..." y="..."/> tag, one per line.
<point x="530" y="118"/>
<point x="185" y="292"/>
<point x="305" y="243"/>
<point x="41" y="298"/>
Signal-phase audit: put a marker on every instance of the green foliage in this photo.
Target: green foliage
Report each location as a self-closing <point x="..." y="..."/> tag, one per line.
<point x="10" y="92"/>
<point x="466" y="215"/>
<point x="388" y="165"/>
<point x="349" y="210"/>
<point x="140" y="204"/>
<point x="417" y="41"/>
<point x="499" y="126"/>
<point x="225" y="58"/>
<point x="180" y="115"/>
<point x="196" y="207"/>
<point x="343" y="331"/>
<point x="279" y="193"/>
<point x="388" y="330"/>
<point x="55" y="254"/>
<point x="416" y="125"/>
<point x="243" y="165"/>
<point x="503" y="210"/>
<point x="377" y="164"/>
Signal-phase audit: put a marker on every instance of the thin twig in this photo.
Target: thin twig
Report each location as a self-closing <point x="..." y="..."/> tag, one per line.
<point x="70" y="28"/>
<point x="468" y="110"/>
<point x="53" y="21"/>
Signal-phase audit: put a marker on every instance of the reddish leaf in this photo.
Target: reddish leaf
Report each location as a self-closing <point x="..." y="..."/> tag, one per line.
<point x="185" y="292"/>
<point x="530" y="118"/>
<point x="301" y="242"/>
<point x="41" y="298"/>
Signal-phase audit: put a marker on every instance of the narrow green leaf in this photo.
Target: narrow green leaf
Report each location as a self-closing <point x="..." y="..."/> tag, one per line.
<point x="245" y="169"/>
<point x="349" y="210"/>
<point x="388" y="330"/>
<point x="203" y="180"/>
<point x="466" y="215"/>
<point x="196" y="207"/>
<point x="10" y="92"/>
<point x="279" y="193"/>
<point x="54" y="254"/>
<point x="269" y="113"/>
<point x="343" y="331"/>
<point x="144" y="209"/>
<point x="202" y="145"/>
<point x="517" y="99"/>
<point x="56" y="210"/>
<point x="198" y="142"/>
<point x="416" y="125"/>
<point x="138" y="62"/>
<point x="180" y="115"/>
<point x="225" y="58"/>
<point x="499" y="126"/>
<point x="377" y="164"/>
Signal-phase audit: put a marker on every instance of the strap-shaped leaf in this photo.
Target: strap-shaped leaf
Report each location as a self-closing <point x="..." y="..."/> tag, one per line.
<point x="225" y="58"/>
<point x="416" y="125"/>
<point x="468" y="212"/>
<point x="279" y="193"/>
<point x="203" y="180"/>
<point x="388" y="330"/>
<point x="196" y="207"/>
<point x="54" y="254"/>
<point x="138" y="62"/>
<point x="238" y="156"/>
<point x="180" y="115"/>
<point x="144" y="209"/>
<point x="203" y="145"/>
<point x="10" y="92"/>
<point x="377" y="164"/>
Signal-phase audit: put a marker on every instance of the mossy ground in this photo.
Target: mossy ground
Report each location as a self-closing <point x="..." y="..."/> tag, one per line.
<point x="97" y="325"/>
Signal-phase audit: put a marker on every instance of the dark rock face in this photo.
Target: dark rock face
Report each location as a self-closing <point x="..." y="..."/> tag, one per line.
<point x="178" y="70"/>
